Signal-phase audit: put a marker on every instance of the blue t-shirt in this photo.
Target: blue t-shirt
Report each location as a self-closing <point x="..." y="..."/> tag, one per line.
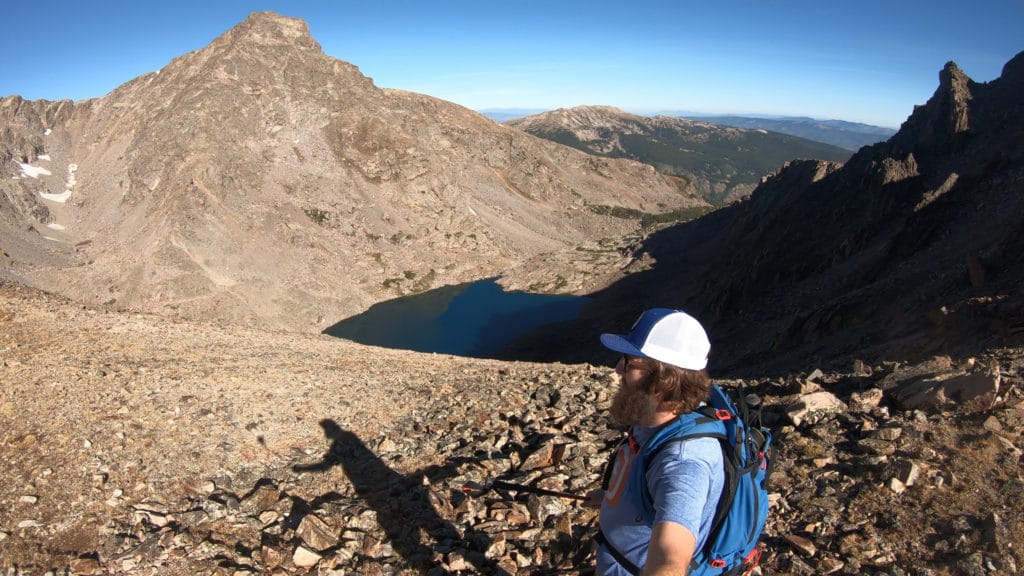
<point x="686" y="480"/>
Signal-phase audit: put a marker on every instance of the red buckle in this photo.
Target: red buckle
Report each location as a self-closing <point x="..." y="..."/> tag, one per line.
<point x="754" y="557"/>
<point x="764" y="461"/>
<point x="752" y="560"/>
<point x="723" y="414"/>
<point x="718" y="563"/>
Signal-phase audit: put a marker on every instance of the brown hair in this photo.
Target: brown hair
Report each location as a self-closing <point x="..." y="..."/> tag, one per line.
<point x="679" y="390"/>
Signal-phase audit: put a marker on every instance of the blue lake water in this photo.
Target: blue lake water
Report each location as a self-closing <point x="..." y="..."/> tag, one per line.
<point x="473" y="319"/>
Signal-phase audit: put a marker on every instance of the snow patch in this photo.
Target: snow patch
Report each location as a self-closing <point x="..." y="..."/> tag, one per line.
<point x="47" y="132"/>
<point x="33" y="171"/>
<point x="55" y="226"/>
<point x="44" y="157"/>
<point x="62" y="197"/>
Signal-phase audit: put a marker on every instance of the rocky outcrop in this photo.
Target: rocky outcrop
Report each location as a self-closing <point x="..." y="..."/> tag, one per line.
<point x="24" y="127"/>
<point x="946" y="115"/>
<point x="133" y="444"/>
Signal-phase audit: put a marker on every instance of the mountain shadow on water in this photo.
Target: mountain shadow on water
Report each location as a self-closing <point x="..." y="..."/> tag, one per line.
<point x="914" y="247"/>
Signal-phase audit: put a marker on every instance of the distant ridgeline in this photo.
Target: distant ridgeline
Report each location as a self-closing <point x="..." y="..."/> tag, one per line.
<point x="849" y="135"/>
<point x="722" y="163"/>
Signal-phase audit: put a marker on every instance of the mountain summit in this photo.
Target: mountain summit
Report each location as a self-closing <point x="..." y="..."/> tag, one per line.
<point x="260" y="180"/>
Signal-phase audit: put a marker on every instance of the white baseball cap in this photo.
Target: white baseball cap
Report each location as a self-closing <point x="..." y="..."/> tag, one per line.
<point x="670" y="336"/>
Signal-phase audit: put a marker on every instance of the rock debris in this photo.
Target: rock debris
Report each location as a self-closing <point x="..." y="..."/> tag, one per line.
<point x="133" y="444"/>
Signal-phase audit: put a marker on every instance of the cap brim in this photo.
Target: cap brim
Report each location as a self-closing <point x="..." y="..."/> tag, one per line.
<point x="617" y="343"/>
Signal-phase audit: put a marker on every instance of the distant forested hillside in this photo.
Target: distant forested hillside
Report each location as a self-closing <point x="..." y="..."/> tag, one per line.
<point x="849" y="135"/>
<point x="721" y="162"/>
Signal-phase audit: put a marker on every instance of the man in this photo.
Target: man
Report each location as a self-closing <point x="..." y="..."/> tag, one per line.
<point x="661" y="376"/>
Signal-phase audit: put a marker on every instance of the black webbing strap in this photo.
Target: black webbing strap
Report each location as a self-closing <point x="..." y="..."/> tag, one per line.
<point x="619" y="557"/>
<point x="606" y="475"/>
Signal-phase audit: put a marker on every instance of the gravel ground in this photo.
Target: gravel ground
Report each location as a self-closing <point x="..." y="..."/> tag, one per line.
<point x="137" y="444"/>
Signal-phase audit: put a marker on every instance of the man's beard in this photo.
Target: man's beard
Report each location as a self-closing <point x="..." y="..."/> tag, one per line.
<point x="631" y="406"/>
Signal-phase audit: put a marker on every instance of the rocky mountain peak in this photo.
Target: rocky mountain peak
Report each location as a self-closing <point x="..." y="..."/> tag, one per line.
<point x="583" y="118"/>
<point x="951" y="74"/>
<point x="946" y="113"/>
<point x="961" y="109"/>
<point x="260" y="180"/>
<point x="276" y="41"/>
<point x="271" y="29"/>
<point x="1013" y="70"/>
<point x="608" y="113"/>
<point x="269" y="47"/>
<point x="955" y="88"/>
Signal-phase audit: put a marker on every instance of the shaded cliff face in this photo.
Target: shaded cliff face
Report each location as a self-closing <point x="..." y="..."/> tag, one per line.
<point x="914" y="246"/>
<point x="721" y="163"/>
<point x="259" y="180"/>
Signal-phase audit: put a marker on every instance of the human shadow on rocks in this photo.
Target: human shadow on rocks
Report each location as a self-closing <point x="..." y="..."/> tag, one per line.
<point x="403" y="505"/>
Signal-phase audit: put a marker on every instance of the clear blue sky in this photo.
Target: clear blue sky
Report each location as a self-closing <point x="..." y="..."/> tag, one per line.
<point x="867" y="61"/>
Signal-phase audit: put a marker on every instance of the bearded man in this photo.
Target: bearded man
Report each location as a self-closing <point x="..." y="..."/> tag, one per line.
<point x="662" y="374"/>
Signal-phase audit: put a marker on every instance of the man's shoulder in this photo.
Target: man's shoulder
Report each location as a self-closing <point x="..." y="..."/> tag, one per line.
<point x="703" y="448"/>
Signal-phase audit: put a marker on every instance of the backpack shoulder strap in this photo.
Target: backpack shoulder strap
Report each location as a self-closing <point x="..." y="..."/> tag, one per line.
<point x="626" y="564"/>
<point x="705" y="424"/>
<point x="709" y="423"/>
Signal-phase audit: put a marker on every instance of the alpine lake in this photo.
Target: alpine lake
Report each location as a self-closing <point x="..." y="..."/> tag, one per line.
<point x="474" y="319"/>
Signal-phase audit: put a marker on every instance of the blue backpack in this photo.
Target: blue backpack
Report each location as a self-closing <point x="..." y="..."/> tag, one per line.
<point x="732" y="545"/>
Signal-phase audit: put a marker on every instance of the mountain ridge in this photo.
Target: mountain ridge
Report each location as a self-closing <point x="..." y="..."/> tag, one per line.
<point x="848" y="135"/>
<point x="724" y="163"/>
